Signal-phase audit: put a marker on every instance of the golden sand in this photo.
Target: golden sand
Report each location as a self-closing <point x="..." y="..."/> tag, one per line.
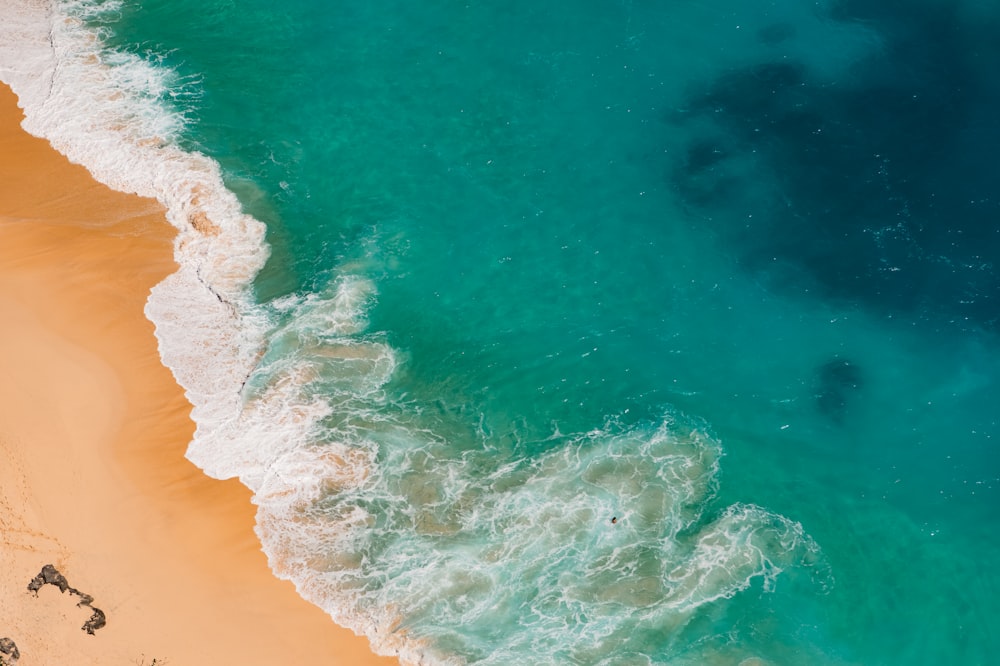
<point x="92" y="434"/>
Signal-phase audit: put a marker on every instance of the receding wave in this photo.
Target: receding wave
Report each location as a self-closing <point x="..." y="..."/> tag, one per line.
<point x="575" y="556"/>
<point x="441" y="552"/>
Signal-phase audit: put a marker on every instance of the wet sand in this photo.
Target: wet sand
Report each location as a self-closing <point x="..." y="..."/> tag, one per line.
<point x="92" y="435"/>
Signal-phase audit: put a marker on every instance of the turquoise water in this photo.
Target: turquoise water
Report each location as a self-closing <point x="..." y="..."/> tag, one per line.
<point x="721" y="272"/>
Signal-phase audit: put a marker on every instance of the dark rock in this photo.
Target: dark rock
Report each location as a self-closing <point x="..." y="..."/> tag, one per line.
<point x="96" y="621"/>
<point x="49" y="575"/>
<point x="9" y="654"/>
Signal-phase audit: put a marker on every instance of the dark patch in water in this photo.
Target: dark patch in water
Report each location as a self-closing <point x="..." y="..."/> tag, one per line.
<point x="879" y="189"/>
<point x="703" y="175"/>
<point x="837" y="381"/>
<point x="776" y="33"/>
<point x="703" y="155"/>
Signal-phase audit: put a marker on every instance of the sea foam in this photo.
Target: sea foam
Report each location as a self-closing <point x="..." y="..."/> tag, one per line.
<point x="107" y="111"/>
<point x="439" y="553"/>
<point x="111" y="111"/>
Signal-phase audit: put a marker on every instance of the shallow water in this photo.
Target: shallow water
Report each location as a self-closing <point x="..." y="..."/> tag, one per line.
<point x="722" y="273"/>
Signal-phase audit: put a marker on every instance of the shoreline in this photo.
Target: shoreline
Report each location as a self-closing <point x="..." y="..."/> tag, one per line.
<point x="93" y="429"/>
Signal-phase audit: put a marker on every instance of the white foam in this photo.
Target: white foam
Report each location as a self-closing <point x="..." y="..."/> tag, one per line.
<point x="263" y="383"/>
<point x="744" y="543"/>
<point x="454" y="552"/>
<point x="104" y="110"/>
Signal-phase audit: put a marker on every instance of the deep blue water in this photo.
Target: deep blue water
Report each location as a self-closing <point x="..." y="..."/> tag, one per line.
<point x="723" y="272"/>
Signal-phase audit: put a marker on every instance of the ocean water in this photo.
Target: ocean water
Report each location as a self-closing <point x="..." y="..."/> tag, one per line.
<point x="614" y="332"/>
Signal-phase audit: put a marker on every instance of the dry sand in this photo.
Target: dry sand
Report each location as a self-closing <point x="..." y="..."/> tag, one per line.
<point x="92" y="435"/>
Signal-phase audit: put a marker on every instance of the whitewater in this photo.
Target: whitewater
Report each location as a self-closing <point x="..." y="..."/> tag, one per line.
<point x="412" y="521"/>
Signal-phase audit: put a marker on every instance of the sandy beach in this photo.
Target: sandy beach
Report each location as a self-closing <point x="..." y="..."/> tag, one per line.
<point x="92" y="435"/>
